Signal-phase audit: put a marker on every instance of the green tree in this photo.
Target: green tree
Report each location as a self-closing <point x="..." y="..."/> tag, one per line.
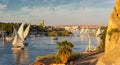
<point x="64" y="50"/>
<point x="53" y="33"/>
<point x="101" y="46"/>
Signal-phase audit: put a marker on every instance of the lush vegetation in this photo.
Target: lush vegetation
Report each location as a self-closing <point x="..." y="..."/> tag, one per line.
<point x="35" y="29"/>
<point x="8" y="27"/>
<point x="52" y="57"/>
<point x="52" y="31"/>
<point x="64" y="53"/>
<point x="103" y="36"/>
<point x="62" y="33"/>
<point x="113" y="31"/>
<point x="64" y="50"/>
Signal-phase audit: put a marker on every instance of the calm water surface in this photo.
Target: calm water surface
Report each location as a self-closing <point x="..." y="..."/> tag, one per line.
<point x="38" y="46"/>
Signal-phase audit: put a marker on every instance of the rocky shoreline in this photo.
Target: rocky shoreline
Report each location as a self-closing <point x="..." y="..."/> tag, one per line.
<point x="86" y="59"/>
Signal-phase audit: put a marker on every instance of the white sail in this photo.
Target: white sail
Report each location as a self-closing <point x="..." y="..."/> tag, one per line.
<point x="21" y="43"/>
<point x="89" y="41"/>
<point x="86" y="31"/>
<point x="98" y="32"/>
<point x="82" y="31"/>
<point x="17" y="40"/>
<point x="20" y="32"/>
<point x="26" y="31"/>
<point x="20" y="36"/>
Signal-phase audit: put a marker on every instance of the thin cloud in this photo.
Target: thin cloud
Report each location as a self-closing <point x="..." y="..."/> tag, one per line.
<point x="4" y="1"/>
<point x="61" y="12"/>
<point x="25" y="8"/>
<point x="65" y="15"/>
<point x="97" y="3"/>
<point x="2" y="6"/>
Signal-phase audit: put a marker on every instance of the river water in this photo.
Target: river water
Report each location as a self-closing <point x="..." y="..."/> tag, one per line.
<point x="39" y="46"/>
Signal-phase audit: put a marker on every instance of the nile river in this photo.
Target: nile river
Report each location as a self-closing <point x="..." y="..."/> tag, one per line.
<point x="38" y="46"/>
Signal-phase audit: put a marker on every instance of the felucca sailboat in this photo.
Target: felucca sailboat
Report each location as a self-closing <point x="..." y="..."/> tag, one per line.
<point x="90" y="47"/>
<point x="82" y="31"/>
<point x="19" y="39"/>
<point x="98" y="33"/>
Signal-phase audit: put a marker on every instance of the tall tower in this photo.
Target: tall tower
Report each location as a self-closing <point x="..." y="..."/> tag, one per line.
<point x="42" y="23"/>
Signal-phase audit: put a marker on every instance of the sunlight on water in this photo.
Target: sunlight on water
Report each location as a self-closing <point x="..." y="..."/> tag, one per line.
<point x="38" y="46"/>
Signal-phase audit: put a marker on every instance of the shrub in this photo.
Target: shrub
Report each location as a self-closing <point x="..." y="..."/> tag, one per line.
<point x="101" y="46"/>
<point x="64" y="50"/>
<point x="74" y="56"/>
<point x="39" y="58"/>
<point x="52" y="57"/>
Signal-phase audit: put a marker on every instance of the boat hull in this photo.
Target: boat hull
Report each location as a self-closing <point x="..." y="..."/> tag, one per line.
<point x="54" y="38"/>
<point x="26" y="43"/>
<point x="17" y="48"/>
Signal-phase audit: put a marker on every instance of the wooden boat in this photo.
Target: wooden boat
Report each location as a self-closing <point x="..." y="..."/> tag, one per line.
<point x="18" y="42"/>
<point x="92" y="49"/>
<point x="17" y="48"/>
<point x="8" y="38"/>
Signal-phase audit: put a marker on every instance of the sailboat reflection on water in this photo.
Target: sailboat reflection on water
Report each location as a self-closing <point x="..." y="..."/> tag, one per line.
<point x="21" y="57"/>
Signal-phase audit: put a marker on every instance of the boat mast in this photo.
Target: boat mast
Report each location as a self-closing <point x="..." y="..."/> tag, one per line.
<point x="89" y="47"/>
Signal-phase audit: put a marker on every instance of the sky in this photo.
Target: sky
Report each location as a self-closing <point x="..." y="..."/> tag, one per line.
<point x="57" y="12"/>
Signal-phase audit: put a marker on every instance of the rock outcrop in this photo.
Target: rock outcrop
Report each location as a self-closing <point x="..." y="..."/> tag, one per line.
<point x="112" y="43"/>
<point x="114" y="23"/>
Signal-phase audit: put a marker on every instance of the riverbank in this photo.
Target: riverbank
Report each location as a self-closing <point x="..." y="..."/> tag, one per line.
<point x="82" y="59"/>
<point x="88" y="60"/>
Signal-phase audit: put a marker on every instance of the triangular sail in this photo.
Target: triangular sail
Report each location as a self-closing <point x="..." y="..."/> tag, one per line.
<point x="98" y="35"/>
<point x="82" y="31"/>
<point x="20" y="36"/>
<point x="98" y="32"/>
<point x="21" y="43"/>
<point x="26" y="31"/>
<point x="86" y="31"/>
<point x="20" y="32"/>
<point x="17" y="40"/>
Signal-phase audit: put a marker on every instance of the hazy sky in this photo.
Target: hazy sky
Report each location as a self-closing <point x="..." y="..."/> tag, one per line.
<point x="56" y="12"/>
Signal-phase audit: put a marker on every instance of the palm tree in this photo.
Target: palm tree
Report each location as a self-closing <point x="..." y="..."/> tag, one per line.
<point x="64" y="50"/>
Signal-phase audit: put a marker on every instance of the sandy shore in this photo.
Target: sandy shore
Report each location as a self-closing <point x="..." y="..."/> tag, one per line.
<point x="89" y="60"/>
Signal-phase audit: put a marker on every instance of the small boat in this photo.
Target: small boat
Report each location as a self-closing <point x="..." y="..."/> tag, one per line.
<point x="8" y="38"/>
<point x="26" y="32"/>
<point x="90" y="47"/>
<point x="19" y="39"/>
<point x="17" y="43"/>
<point x="86" y="31"/>
<point x="82" y="31"/>
<point x="54" y="38"/>
<point x="98" y="33"/>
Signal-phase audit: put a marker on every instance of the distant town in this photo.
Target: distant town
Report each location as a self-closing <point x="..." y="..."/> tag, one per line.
<point x="42" y="29"/>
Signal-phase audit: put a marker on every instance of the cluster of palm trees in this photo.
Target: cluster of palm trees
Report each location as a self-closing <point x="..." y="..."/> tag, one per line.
<point x="64" y="50"/>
